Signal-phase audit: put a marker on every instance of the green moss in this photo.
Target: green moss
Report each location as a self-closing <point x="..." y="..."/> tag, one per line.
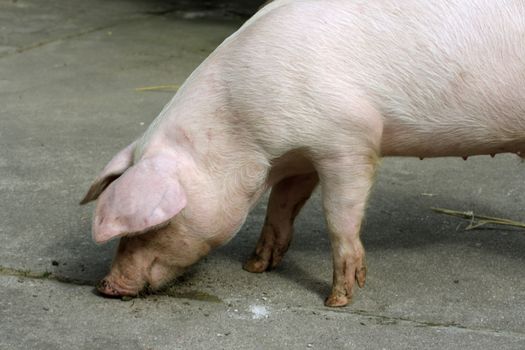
<point x="23" y="273"/>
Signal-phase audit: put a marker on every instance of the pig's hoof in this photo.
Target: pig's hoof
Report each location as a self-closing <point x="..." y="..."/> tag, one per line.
<point x="256" y="265"/>
<point x="360" y="276"/>
<point x="337" y="300"/>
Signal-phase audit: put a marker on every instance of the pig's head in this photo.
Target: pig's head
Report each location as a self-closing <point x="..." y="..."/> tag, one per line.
<point x="140" y="203"/>
<point x="151" y="259"/>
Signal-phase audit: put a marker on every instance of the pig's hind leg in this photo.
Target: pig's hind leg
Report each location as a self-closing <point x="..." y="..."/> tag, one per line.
<point x="286" y="200"/>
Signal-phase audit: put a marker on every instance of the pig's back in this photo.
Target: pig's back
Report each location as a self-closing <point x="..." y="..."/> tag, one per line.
<point x="425" y="66"/>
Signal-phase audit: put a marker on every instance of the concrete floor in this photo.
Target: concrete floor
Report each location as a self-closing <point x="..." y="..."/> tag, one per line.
<point x="68" y="74"/>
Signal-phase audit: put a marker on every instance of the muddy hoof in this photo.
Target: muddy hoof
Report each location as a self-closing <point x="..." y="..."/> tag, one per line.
<point x="256" y="265"/>
<point x="337" y="301"/>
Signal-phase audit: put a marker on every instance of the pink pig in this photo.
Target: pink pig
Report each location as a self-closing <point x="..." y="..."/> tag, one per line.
<point x="308" y="92"/>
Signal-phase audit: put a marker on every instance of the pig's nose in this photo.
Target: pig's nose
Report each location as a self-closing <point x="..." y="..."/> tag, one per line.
<point x="106" y="288"/>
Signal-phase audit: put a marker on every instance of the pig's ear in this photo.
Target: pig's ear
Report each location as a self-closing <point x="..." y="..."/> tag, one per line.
<point x="116" y="167"/>
<point x="147" y="196"/>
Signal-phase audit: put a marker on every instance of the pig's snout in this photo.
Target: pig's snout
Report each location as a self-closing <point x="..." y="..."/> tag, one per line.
<point x="109" y="288"/>
<point x="151" y="259"/>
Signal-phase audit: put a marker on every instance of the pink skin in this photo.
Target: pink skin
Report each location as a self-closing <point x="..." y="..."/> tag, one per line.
<point x="162" y="229"/>
<point x="247" y="120"/>
<point x="151" y="259"/>
<point x="156" y="257"/>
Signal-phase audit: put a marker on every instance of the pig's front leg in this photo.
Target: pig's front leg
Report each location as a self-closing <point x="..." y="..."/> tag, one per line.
<point x="286" y="200"/>
<point x="345" y="185"/>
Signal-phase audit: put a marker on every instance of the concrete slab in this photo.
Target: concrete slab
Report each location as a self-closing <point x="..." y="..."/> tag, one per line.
<point x="47" y="315"/>
<point x="68" y="73"/>
<point x="29" y="24"/>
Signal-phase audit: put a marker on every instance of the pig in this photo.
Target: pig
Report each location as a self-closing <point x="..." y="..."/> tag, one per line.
<point x="309" y="92"/>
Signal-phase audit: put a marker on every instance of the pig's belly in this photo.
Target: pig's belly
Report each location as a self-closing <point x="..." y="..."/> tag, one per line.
<point x="459" y="139"/>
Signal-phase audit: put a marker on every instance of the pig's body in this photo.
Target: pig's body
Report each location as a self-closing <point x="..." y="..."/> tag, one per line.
<point x="310" y="91"/>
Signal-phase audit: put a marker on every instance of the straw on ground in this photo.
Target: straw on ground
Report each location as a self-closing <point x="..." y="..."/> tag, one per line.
<point x="171" y="87"/>
<point x="479" y="220"/>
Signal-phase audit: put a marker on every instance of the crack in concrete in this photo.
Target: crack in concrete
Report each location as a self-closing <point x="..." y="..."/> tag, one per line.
<point x="135" y="17"/>
<point x="382" y="319"/>
<point x="393" y="320"/>
<point x="59" y="39"/>
<point x="169" y="290"/>
<point x="8" y="271"/>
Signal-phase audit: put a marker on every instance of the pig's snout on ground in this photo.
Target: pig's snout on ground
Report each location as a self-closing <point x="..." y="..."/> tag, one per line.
<point x="111" y="289"/>
<point x="151" y="260"/>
